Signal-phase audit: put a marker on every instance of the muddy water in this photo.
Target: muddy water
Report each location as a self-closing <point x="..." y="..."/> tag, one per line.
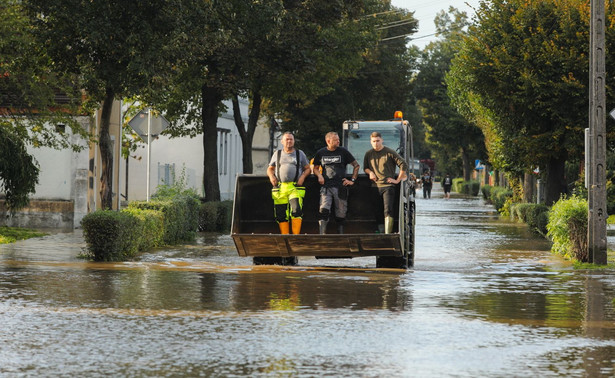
<point x="485" y="298"/>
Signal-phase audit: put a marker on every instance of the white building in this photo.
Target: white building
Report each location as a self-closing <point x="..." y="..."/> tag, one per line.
<point x="68" y="185"/>
<point x="170" y="157"/>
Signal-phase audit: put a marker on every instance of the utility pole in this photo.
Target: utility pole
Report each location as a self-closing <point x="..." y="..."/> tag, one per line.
<point x="596" y="217"/>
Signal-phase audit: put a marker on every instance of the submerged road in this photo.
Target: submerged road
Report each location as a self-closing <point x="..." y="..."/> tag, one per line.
<point x="485" y="298"/>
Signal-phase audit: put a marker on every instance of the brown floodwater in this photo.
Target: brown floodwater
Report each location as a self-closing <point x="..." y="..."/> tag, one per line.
<point x="485" y="298"/>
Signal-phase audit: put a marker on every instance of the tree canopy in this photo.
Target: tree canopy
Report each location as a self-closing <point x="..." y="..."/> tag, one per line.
<point x="454" y="141"/>
<point x="34" y="98"/>
<point x="379" y="88"/>
<point x="278" y="51"/>
<point x="112" y="48"/>
<point x="521" y="76"/>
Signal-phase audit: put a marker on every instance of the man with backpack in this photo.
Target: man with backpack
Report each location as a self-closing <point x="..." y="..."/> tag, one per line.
<point x="447" y="183"/>
<point x="427" y="182"/>
<point x="287" y="171"/>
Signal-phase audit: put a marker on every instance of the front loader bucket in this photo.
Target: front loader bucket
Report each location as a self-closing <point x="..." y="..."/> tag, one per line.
<point x="256" y="233"/>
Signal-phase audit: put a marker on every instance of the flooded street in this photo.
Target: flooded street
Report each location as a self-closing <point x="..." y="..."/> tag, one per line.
<point x="485" y="298"/>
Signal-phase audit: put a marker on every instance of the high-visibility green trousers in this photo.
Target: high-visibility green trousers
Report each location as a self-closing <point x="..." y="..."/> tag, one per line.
<point x="287" y="201"/>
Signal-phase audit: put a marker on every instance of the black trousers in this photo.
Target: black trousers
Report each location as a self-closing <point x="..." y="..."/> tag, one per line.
<point x="388" y="197"/>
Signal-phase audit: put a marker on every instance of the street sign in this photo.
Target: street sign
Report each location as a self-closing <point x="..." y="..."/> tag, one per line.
<point x="147" y="126"/>
<point x="139" y="124"/>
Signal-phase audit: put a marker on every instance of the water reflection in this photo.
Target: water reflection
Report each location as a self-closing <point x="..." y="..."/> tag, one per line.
<point x="321" y="291"/>
<point x="245" y="290"/>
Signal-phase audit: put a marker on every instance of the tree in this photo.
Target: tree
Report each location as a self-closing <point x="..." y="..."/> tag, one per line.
<point x="33" y="99"/>
<point x="311" y="47"/>
<point x="522" y="77"/>
<point x="18" y="170"/>
<point x="115" y="48"/>
<point x="449" y="135"/>
<point x="263" y="50"/>
<point x="379" y="88"/>
<point x="204" y="41"/>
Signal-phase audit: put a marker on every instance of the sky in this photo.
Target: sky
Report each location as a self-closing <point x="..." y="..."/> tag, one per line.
<point x="425" y="11"/>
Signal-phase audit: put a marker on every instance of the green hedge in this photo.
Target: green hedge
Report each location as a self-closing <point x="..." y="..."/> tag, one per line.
<point x="118" y="236"/>
<point x="498" y="196"/>
<point x="180" y="214"/>
<point x="536" y="216"/>
<point x="150" y="229"/>
<point x="215" y="216"/>
<point x="486" y="191"/>
<point x="471" y="187"/>
<point x="111" y="235"/>
<point x="567" y="228"/>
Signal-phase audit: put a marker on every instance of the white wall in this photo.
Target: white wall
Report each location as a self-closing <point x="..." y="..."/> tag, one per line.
<point x="64" y="173"/>
<point x="187" y="153"/>
<point x="58" y="168"/>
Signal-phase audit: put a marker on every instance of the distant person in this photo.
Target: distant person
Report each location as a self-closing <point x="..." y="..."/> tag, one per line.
<point x="427" y="182"/>
<point x="330" y="167"/>
<point x="380" y="163"/>
<point x="447" y="184"/>
<point x="287" y="171"/>
<point x="412" y="184"/>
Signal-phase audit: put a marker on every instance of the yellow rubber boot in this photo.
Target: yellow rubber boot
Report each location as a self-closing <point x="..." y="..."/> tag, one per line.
<point x="284" y="227"/>
<point x="297" y="225"/>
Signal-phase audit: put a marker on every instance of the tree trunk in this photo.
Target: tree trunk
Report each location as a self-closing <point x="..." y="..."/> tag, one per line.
<point x="106" y="153"/>
<point x="529" y="187"/>
<point x="467" y="165"/>
<point x="555" y="184"/>
<point x="247" y="136"/>
<point x="211" y="97"/>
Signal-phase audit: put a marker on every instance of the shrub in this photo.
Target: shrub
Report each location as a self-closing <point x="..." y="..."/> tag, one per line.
<point x="567" y="228"/>
<point x="110" y="235"/>
<point x="180" y="216"/>
<point x="505" y="209"/>
<point x="471" y="187"/>
<point x="520" y="210"/>
<point x="208" y="217"/>
<point x="457" y="185"/>
<point x="486" y="191"/>
<point x="225" y="216"/>
<point x="150" y="229"/>
<point x="215" y="216"/>
<point x="535" y="215"/>
<point x="498" y="196"/>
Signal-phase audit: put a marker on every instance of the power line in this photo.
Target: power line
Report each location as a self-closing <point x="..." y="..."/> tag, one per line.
<point x="380" y="13"/>
<point x="395" y="24"/>
<point x="422" y="36"/>
<point x="406" y="35"/>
